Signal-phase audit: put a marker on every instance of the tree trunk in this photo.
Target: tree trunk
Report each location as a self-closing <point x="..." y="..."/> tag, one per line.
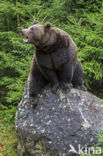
<point x="17" y="15"/>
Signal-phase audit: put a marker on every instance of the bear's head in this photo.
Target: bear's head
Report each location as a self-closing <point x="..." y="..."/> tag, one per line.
<point x="37" y="34"/>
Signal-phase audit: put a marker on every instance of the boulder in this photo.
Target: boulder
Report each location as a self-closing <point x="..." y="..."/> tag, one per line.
<point x="60" y="125"/>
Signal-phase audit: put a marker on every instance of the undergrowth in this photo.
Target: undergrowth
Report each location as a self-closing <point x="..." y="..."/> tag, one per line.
<point x="8" y="138"/>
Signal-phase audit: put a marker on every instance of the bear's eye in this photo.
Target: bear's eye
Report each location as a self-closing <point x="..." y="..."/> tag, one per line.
<point x="31" y="29"/>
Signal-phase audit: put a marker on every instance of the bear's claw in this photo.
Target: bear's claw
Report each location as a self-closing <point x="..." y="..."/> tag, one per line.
<point x="33" y="100"/>
<point x="55" y="88"/>
<point x="82" y="87"/>
<point x="65" y="87"/>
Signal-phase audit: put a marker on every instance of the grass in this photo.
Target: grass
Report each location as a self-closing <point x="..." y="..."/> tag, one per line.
<point x="8" y="138"/>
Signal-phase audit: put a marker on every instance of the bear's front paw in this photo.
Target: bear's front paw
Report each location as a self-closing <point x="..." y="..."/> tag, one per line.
<point x="33" y="100"/>
<point x="82" y="87"/>
<point x="33" y="92"/>
<point x="65" y="87"/>
<point x="55" y="88"/>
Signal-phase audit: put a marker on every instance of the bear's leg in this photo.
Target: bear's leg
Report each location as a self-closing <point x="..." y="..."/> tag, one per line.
<point x="77" y="80"/>
<point x="65" y="74"/>
<point x="52" y="77"/>
<point x="36" y="80"/>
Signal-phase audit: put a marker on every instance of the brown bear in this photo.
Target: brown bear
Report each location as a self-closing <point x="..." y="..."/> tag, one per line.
<point x="55" y="59"/>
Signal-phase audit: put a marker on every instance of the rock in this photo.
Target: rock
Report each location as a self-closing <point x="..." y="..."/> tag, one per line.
<point x="60" y="124"/>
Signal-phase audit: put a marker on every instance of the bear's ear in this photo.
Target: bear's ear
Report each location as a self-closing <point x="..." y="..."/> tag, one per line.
<point x="35" y="22"/>
<point x="48" y="26"/>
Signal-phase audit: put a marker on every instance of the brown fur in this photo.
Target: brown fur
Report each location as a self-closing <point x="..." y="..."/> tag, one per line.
<point x="55" y="60"/>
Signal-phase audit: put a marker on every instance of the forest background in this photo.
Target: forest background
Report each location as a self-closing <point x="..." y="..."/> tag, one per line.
<point x="82" y="19"/>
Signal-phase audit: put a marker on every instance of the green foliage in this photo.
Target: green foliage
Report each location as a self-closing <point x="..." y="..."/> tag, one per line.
<point x="8" y="138"/>
<point x="88" y="37"/>
<point x="14" y="66"/>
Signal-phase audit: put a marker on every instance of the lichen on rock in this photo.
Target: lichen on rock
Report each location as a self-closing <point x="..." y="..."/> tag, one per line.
<point x="58" y="122"/>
